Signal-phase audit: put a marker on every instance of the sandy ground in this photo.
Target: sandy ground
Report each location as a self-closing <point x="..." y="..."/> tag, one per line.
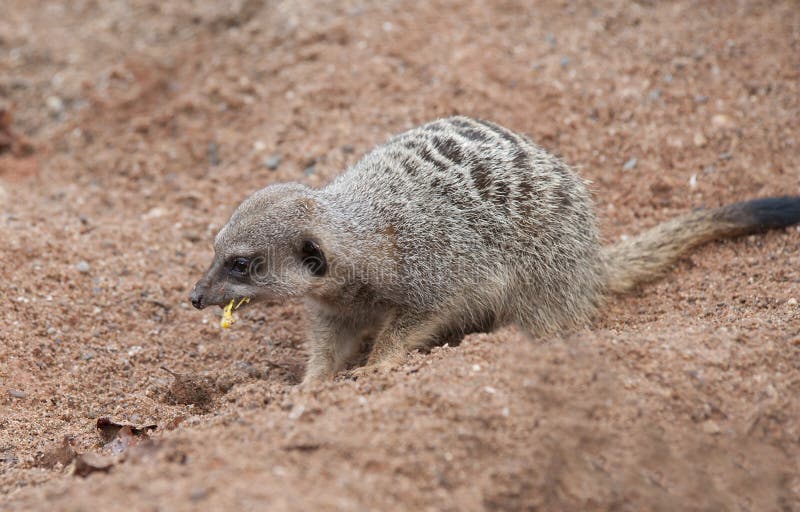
<point x="132" y="129"/>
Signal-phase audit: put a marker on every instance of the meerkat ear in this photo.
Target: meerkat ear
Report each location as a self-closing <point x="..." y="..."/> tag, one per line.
<point x="313" y="258"/>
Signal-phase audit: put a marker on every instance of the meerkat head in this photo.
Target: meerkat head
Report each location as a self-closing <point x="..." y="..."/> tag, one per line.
<point x="267" y="250"/>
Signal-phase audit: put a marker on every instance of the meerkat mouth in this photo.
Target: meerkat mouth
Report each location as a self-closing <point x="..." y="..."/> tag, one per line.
<point x="227" y="319"/>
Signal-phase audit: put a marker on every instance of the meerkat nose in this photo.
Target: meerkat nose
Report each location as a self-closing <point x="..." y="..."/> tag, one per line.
<point x="196" y="299"/>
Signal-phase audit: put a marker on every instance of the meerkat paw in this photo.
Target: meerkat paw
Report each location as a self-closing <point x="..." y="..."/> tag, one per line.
<point x="311" y="381"/>
<point x="366" y="371"/>
<point x="377" y="368"/>
<point x="315" y="377"/>
<point x="360" y="372"/>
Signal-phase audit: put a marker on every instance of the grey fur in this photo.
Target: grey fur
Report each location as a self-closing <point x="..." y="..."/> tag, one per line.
<point x="453" y="227"/>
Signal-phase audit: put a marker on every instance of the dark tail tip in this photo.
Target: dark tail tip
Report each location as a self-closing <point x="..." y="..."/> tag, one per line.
<point x="763" y="214"/>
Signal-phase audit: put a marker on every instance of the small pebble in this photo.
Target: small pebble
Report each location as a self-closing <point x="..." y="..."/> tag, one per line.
<point x="155" y="213"/>
<point x="55" y="105"/>
<point x="82" y="267"/>
<point x="16" y="393"/>
<point x="296" y="412"/>
<point x="87" y="356"/>
<point x="272" y="162"/>
<point x="711" y="427"/>
<point x="792" y="302"/>
<point x="564" y="62"/>
<point x="721" y="121"/>
<point x="700" y="99"/>
<point x="630" y="164"/>
<point x="308" y="171"/>
<point x="655" y="94"/>
<point x="699" y="140"/>
<point x="725" y="156"/>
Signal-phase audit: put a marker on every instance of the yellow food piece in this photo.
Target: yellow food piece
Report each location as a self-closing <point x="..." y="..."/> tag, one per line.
<point x="227" y="316"/>
<point x="227" y="313"/>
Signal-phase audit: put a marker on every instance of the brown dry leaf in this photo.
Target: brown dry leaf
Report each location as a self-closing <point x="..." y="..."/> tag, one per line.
<point x="125" y="438"/>
<point x="128" y="442"/>
<point x="62" y="453"/>
<point x="87" y="463"/>
<point x="118" y="438"/>
<point x="108" y="429"/>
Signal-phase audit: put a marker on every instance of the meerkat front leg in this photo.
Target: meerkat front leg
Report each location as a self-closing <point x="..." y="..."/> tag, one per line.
<point x="333" y="345"/>
<point x="400" y="335"/>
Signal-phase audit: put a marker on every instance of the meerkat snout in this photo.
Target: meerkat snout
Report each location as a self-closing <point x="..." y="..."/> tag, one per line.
<point x="196" y="298"/>
<point x="267" y="250"/>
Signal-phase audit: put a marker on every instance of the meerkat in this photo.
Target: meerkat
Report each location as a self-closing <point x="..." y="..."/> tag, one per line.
<point x="453" y="227"/>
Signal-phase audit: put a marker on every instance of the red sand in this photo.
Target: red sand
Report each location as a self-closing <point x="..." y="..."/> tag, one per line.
<point x="151" y="121"/>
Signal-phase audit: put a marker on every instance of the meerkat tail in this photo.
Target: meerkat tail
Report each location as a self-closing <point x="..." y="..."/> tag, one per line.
<point x="646" y="257"/>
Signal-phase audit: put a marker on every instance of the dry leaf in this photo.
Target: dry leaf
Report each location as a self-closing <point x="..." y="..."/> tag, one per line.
<point x="62" y="453"/>
<point x="87" y="463"/>
<point x="108" y="429"/>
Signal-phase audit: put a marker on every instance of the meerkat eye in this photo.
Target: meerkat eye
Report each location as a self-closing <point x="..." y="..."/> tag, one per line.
<point x="313" y="258"/>
<point x="240" y="265"/>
